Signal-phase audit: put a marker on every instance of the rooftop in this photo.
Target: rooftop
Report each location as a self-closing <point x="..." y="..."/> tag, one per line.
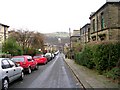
<point x="112" y="0"/>
<point x="4" y="25"/>
<point x="76" y="33"/>
<point x="107" y="2"/>
<point x="85" y="25"/>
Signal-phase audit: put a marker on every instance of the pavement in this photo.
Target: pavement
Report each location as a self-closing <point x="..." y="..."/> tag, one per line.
<point x="89" y="78"/>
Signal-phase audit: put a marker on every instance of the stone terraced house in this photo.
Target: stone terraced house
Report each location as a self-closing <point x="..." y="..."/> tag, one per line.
<point x="105" y="22"/>
<point x="85" y="33"/>
<point x="3" y="34"/>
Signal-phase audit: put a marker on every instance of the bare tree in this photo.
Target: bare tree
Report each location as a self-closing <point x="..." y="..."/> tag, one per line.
<point x="28" y="39"/>
<point x="38" y="40"/>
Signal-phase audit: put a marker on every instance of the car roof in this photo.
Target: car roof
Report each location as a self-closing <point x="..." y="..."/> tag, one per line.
<point x="48" y="53"/>
<point x="17" y="56"/>
<point x="3" y="58"/>
<point x="28" y="56"/>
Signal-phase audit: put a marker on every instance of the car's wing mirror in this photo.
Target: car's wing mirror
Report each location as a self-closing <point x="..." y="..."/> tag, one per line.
<point x="3" y="66"/>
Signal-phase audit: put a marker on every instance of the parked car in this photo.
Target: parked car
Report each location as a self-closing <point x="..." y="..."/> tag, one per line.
<point x="40" y="59"/>
<point x="56" y="53"/>
<point x="53" y="56"/>
<point x="9" y="71"/>
<point x="26" y="62"/>
<point x="48" y="56"/>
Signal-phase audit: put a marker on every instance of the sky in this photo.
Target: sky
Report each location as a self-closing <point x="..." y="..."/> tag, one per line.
<point x="46" y="16"/>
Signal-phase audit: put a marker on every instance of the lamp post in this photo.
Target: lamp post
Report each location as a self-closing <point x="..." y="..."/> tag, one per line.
<point x="70" y="41"/>
<point x="59" y="41"/>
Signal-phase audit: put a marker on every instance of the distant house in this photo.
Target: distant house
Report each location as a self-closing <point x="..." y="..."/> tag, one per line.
<point x="3" y="34"/>
<point x="85" y="33"/>
<point x="105" y="22"/>
<point x="75" y="37"/>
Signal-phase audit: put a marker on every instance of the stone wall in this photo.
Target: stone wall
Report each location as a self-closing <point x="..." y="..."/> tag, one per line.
<point x="111" y="29"/>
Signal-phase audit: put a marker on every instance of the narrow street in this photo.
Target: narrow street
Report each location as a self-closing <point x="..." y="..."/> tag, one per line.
<point x="55" y="74"/>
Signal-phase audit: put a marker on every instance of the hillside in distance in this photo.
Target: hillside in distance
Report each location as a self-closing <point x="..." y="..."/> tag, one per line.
<point x="58" y="34"/>
<point x="52" y="38"/>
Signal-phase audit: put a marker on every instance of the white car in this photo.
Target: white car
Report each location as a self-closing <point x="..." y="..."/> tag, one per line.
<point x="9" y="71"/>
<point x="48" y="56"/>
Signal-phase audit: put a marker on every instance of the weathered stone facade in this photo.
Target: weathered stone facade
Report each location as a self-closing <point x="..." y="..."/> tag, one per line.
<point x="75" y="37"/>
<point x="105" y="22"/>
<point x="3" y="34"/>
<point x="85" y="33"/>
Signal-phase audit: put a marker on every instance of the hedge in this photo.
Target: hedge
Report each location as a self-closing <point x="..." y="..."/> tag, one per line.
<point x="102" y="56"/>
<point x="85" y="58"/>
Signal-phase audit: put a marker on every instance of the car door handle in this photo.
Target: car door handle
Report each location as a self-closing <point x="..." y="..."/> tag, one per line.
<point x="6" y="71"/>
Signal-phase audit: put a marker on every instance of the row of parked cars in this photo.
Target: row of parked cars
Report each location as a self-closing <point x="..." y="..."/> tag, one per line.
<point x="15" y="67"/>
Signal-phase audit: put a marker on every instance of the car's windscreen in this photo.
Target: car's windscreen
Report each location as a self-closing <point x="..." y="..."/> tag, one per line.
<point x="37" y="56"/>
<point x="21" y="59"/>
<point x="48" y="54"/>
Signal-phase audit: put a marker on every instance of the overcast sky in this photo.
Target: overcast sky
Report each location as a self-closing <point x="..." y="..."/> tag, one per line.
<point x="47" y="16"/>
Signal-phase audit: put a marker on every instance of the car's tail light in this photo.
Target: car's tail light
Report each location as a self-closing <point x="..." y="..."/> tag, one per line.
<point x="24" y="63"/>
<point x="37" y="58"/>
<point x="18" y="63"/>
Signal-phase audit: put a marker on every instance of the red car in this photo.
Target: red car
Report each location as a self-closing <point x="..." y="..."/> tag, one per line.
<point x="26" y="62"/>
<point x="40" y="59"/>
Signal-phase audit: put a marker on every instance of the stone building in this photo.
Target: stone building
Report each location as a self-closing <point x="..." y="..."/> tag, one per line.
<point x="3" y="34"/>
<point x="105" y="22"/>
<point x="85" y="33"/>
<point x="74" y="40"/>
<point x="75" y="37"/>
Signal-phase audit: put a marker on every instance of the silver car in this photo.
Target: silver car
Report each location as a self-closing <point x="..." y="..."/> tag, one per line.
<point x="9" y="71"/>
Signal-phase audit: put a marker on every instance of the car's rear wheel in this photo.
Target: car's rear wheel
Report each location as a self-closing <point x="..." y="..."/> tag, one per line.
<point x="36" y="67"/>
<point x="46" y="62"/>
<point x="5" y="84"/>
<point x="29" y="70"/>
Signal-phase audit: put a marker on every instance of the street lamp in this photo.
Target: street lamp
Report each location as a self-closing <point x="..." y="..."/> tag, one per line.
<point x="59" y="40"/>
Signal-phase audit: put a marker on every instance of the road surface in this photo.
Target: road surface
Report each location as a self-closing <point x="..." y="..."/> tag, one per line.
<point x="55" y="74"/>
